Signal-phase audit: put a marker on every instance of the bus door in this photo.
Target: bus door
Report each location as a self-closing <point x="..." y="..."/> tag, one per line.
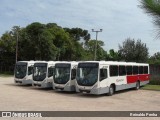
<point x="103" y="75"/>
<point x="50" y="74"/>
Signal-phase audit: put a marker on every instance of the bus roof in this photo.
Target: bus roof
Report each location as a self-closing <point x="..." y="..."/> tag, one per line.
<point x="26" y="62"/>
<point x="67" y="62"/>
<point x="115" y="63"/>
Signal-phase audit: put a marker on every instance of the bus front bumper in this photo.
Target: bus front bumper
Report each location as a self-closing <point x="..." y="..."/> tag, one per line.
<point x="42" y="84"/>
<point x="65" y="88"/>
<point x="94" y="90"/>
<point x="23" y="82"/>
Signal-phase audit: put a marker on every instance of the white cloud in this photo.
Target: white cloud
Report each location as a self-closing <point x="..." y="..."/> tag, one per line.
<point x="119" y="19"/>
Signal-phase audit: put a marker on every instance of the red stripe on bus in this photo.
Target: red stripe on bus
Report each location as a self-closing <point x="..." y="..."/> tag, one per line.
<point x="134" y="78"/>
<point x="144" y="77"/>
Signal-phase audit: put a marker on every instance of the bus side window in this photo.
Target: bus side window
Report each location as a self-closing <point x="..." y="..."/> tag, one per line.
<point x="135" y="70"/>
<point x="50" y="71"/>
<point x="30" y="70"/>
<point x="129" y="70"/>
<point x="122" y="70"/>
<point x="141" y="70"/>
<point x="145" y="69"/>
<point x="113" y="70"/>
<point x="103" y="74"/>
<point x="73" y="74"/>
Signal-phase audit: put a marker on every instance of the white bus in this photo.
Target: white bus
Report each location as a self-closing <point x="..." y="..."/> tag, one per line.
<point x="23" y="72"/>
<point x="43" y="74"/>
<point x="107" y="76"/>
<point x="64" y="76"/>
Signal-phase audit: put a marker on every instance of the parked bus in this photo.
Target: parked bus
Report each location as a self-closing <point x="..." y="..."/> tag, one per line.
<point x="107" y="77"/>
<point x="23" y="72"/>
<point x="64" y="76"/>
<point x="43" y="74"/>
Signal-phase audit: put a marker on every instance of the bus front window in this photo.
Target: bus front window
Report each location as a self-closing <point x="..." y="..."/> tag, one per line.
<point x="40" y="70"/>
<point x="20" y="70"/>
<point x="62" y="73"/>
<point x="87" y="74"/>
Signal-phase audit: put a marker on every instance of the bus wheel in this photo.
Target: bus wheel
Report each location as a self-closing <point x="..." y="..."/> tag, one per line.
<point x="111" y="90"/>
<point x="137" y="85"/>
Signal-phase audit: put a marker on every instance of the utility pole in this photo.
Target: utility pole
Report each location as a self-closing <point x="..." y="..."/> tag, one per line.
<point x="17" y="46"/>
<point x="95" y="53"/>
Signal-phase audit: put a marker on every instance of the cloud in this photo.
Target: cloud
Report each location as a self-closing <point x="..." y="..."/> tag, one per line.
<point x="119" y="19"/>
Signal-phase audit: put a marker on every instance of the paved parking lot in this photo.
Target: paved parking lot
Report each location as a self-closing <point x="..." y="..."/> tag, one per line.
<point x="27" y="98"/>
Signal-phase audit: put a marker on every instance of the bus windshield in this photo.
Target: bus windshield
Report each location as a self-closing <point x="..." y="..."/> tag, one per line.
<point x="20" y="70"/>
<point x="87" y="74"/>
<point x="40" y="71"/>
<point x="62" y="73"/>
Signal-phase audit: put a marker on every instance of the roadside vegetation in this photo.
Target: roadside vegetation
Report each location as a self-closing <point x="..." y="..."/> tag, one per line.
<point x="151" y="87"/>
<point x="6" y="74"/>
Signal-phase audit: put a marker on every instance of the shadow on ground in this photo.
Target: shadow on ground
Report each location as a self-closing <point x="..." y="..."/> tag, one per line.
<point x="50" y="90"/>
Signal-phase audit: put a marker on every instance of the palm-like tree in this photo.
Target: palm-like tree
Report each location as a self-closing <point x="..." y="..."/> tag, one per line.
<point x="152" y="7"/>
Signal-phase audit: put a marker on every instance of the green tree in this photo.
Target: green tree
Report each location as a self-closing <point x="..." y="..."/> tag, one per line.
<point x="63" y="44"/>
<point x="133" y="51"/>
<point x="113" y="55"/>
<point x="90" y="49"/>
<point x="78" y="34"/>
<point x="79" y="38"/>
<point x="39" y="41"/>
<point x="7" y="49"/>
<point x="36" y="43"/>
<point x="7" y="43"/>
<point x="49" y="42"/>
<point x="152" y="7"/>
<point x="155" y="59"/>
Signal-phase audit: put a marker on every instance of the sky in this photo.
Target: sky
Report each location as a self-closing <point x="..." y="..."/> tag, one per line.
<point x="119" y="19"/>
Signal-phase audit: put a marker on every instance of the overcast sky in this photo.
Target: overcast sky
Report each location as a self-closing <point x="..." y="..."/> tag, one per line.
<point x="119" y="19"/>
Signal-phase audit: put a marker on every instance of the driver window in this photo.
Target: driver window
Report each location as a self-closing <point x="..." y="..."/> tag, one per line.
<point x="103" y="74"/>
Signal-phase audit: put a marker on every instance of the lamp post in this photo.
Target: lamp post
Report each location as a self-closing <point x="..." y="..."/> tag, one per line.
<point x="96" y="31"/>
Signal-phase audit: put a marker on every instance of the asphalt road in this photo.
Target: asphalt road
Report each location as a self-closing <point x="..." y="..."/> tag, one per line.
<point x="27" y="98"/>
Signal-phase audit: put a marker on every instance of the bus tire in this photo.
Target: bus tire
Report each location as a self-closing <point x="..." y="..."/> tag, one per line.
<point x="111" y="90"/>
<point x="137" y="85"/>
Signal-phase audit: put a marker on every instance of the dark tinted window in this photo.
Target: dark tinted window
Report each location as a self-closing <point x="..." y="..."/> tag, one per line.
<point x="73" y="75"/>
<point x="21" y="63"/>
<point x="129" y="70"/>
<point x="30" y="70"/>
<point x="145" y="69"/>
<point x="20" y="71"/>
<point x="113" y="70"/>
<point x="88" y="65"/>
<point x="40" y="64"/>
<point x="140" y="69"/>
<point x="122" y="70"/>
<point x="50" y="71"/>
<point x="62" y="65"/>
<point x="103" y="74"/>
<point x="135" y="70"/>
